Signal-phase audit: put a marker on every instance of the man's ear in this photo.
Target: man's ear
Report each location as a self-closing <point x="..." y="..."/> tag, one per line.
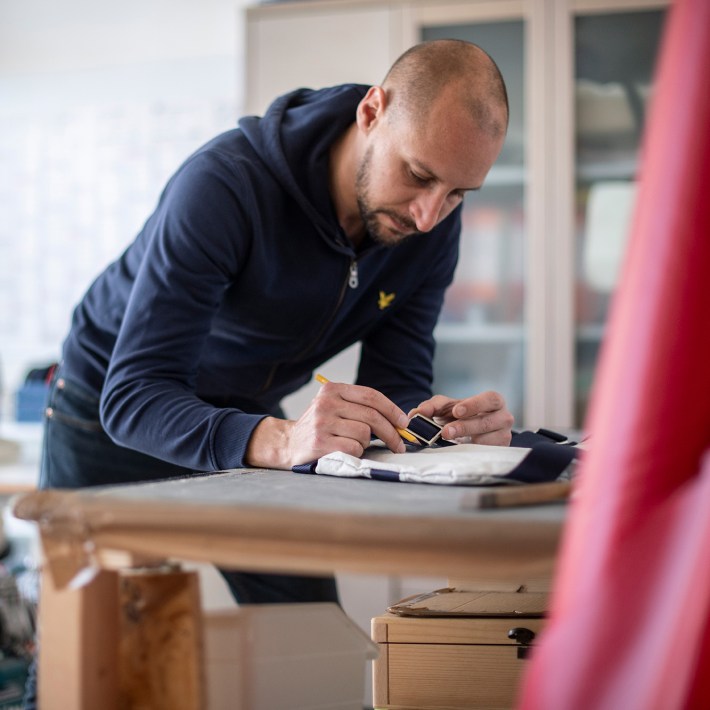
<point x="371" y="109"/>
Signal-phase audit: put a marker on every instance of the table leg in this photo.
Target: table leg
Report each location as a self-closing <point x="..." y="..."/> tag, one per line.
<point x="126" y="639"/>
<point x="160" y="652"/>
<point x="78" y="634"/>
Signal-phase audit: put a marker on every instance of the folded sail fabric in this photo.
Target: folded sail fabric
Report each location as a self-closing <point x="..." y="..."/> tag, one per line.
<point x="459" y="464"/>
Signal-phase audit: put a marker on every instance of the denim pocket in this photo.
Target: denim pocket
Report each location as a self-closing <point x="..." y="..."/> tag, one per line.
<point x="71" y="404"/>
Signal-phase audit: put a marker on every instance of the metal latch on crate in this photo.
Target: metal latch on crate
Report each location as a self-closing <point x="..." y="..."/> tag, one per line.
<point x="524" y="637"/>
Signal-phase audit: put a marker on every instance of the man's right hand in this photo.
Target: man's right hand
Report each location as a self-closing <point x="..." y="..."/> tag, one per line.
<point x="341" y="417"/>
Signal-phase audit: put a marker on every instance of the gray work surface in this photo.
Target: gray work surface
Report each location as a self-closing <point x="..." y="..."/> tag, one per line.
<point x="308" y="492"/>
<point x="284" y="521"/>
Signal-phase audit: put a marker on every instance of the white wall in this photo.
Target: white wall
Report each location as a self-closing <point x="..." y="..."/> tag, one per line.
<point x="99" y="103"/>
<point x="46" y="37"/>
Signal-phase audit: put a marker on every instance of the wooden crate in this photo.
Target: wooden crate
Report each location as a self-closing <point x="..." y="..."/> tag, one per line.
<point x="448" y="662"/>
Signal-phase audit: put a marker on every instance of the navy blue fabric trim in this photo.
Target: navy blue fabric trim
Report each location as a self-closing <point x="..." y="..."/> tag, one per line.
<point x="376" y="473"/>
<point x="379" y="474"/>
<point x="530" y="439"/>
<point x="305" y="467"/>
<point x="545" y="462"/>
<point x="554" y="435"/>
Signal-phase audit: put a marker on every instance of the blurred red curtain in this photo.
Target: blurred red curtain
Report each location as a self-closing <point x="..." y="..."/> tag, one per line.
<point x="629" y="626"/>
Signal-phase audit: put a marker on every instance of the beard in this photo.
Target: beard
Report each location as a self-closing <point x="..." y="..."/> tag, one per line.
<point x="370" y="215"/>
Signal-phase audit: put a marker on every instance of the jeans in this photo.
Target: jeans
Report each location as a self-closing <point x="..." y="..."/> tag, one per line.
<point x="77" y="452"/>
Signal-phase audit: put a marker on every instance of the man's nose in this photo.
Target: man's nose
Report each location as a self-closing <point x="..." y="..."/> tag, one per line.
<point x="426" y="209"/>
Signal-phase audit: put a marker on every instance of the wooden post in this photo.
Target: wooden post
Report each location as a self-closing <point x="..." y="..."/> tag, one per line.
<point x="160" y="653"/>
<point x="129" y="640"/>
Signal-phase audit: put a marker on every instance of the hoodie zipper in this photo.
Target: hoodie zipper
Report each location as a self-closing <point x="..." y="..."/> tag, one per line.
<point x="353" y="282"/>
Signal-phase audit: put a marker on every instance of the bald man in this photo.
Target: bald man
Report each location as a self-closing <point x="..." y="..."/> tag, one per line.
<point x="332" y="219"/>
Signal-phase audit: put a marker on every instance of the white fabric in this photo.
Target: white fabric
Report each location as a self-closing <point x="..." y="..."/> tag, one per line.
<point x="474" y="464"/>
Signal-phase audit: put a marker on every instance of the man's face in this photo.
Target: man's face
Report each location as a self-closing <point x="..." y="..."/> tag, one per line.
<point x="412" y="175"/>
<point x="385" y="224"/>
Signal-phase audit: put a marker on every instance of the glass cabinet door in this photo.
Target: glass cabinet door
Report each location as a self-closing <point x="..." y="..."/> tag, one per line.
<point x="615" y="54"/>
<point x="480" y="336"/>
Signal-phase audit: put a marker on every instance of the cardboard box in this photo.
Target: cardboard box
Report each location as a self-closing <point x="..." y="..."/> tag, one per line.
<point x="285" y="656"/>
<point x="435" y="660"/>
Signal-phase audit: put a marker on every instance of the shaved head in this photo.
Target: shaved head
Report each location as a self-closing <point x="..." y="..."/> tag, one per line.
<point x="422" y="139"/>
<point x="417" y="79"/>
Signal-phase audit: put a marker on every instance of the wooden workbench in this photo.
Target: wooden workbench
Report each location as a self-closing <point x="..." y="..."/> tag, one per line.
<point x="255" y="520"/>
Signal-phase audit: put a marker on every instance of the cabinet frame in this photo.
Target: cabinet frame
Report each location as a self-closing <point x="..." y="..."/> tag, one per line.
<point x="549" y="331"/>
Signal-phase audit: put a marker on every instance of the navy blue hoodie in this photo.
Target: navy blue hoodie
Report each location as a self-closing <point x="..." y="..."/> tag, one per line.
<point x="242" y="282"/>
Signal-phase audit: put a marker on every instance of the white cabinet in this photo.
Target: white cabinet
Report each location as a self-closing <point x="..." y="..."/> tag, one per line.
<point x="615" y="52"/>
<point x="541" y="241"/>
<point x="317" y="44"/>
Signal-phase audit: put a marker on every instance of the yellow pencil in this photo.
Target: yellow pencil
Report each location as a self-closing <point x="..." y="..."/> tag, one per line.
<point x="402" y="432"/>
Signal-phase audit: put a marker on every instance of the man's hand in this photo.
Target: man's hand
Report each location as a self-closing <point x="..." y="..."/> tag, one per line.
<point x="481" y="419"/>
<point x="340" y="418"/>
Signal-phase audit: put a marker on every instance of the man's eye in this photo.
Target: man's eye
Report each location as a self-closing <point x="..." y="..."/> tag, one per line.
<point x="419" y="179"/>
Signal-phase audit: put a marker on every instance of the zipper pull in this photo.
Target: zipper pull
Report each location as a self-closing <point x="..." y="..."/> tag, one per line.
<point x="353" y="280"/>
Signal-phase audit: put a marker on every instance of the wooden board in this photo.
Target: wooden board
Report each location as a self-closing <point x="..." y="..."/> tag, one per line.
<point x="282" y="521"/>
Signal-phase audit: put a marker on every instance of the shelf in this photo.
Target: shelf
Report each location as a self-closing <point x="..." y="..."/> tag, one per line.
<point x="480" y="333"/>
<point x="503" y="333"/>
<point x="611" y="170"/>
<point x="592" y="333"/>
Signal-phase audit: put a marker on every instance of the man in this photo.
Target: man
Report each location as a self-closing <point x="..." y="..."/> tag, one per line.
<point x="333" y="219"/>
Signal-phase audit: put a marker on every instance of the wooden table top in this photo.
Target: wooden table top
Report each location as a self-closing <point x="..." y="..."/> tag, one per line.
<point x="281" y="521"/>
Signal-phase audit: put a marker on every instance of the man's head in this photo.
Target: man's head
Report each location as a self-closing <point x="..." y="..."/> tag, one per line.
<point x="427" y="135"/>
<point x="418" y="77"/>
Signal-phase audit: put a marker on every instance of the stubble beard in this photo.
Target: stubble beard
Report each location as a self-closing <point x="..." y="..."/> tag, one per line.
<point x="369" y="215"/>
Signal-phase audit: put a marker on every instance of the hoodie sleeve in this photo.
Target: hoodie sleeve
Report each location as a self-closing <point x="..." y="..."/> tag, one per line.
<point x="195" y="243"/>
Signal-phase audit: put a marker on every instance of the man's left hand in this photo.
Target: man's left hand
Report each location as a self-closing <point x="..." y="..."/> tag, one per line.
<point x="481" y="419"/>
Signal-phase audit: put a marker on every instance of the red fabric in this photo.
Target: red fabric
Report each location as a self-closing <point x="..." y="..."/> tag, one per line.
<point x="630" y="608"/>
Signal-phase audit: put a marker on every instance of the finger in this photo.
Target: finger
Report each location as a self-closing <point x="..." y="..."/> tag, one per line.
<point x="349" y="429"/>
<point x="346" y="444"/>
<point x="376" y="424"/>
<point x="352" y="404"/>
<point x="330" y="416"/>
<point x="372" y="399"/>
<point x="437" y="406"/>
<point x="312" y="442"/>
<point x="393" y="441"/>
<point x="478" y="404"/>
<point x="496" y="425"/>
<point x="383" y="416"/>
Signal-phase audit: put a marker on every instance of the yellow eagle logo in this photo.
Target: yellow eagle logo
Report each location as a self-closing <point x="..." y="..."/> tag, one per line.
<point x="385" y="300"/>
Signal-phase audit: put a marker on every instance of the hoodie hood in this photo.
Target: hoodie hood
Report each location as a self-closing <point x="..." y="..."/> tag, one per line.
<point x="293" y="139"/>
